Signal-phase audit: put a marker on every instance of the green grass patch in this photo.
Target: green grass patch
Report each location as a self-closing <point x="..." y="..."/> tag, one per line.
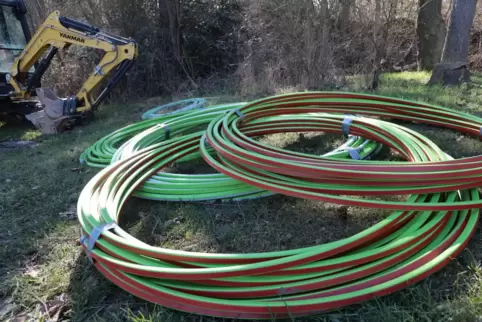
<point x="42" y="265"/>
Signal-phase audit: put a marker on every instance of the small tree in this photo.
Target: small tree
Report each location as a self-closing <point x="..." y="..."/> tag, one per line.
<point x="453" y="69"/>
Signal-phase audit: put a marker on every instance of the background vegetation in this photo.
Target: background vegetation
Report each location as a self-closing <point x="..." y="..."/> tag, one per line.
<point x="259" y="46"/>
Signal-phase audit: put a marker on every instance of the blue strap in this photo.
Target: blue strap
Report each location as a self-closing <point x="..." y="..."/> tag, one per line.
<point x="346" y="124"/>
<point x="168" y="131"/>
<point x="238" y="112"/>
<point x="94" y="236"/>
<point x="355" y="153"/>
<point x="204" y="139"/>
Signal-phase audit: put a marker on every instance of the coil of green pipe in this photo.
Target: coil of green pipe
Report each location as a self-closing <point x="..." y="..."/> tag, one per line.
<point x="207" y="187"/>
<point x="100" y="154"/>
<point x="174" y="108"/>
<point x="165" y="186"/>
<point x="239" y="151"/>
<point x="432" y="227"/>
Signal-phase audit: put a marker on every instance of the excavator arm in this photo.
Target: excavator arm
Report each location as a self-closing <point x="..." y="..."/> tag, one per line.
<point x="58" y="33"/>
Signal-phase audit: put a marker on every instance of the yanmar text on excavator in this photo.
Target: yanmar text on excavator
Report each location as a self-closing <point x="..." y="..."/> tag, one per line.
<point x="24" y="59"/>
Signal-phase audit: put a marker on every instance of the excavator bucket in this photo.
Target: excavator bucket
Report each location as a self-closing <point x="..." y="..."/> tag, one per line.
<point x="51" y="117"/>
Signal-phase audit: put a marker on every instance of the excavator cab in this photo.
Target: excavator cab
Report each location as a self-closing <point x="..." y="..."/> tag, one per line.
<point x="14" y="33"/>
<point x="14" y="36"/>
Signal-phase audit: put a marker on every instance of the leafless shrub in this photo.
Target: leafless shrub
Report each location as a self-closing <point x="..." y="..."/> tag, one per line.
<point x="257" y="46"/>
<point x="310" y="44"/>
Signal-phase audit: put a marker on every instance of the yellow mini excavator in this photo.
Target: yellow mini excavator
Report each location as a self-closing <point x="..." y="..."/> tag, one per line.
<point x="25" y="58"/>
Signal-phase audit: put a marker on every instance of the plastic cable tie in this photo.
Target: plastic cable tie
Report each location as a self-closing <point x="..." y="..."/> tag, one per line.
<point x="238" y="112"/>
<point x="205" y="140"/>
<point x="94" y="236"/>
<point x="354" y="153"/>
<point x="166" y="129"/>
<point x="346" y="124"/>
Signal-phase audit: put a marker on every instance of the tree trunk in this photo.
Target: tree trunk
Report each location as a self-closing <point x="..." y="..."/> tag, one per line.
<point x="431" y="33"/>
<point x="379" y="46"/>
<point x="454" y="70"/>
<point x="309" y="79"/>
<point x="344" y="17"/>
<point x="174" y="12"/>
<point x="378" y="8"/>
<point x="457" y="43"/>
<point x="326" y="50"/>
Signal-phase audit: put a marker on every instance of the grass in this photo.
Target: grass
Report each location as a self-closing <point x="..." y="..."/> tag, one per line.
<point x="44" y="275"/>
